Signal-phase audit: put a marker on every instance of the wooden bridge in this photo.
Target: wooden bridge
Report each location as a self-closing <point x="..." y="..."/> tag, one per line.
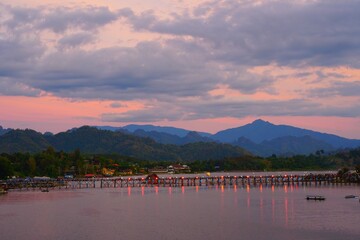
<point x="120" y="182"/>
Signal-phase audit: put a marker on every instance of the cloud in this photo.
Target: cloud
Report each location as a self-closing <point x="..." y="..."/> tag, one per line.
<point x="76" y="39"/>
<point x="208" y="108"/>
<point x="9" y="88"/>
<point x="62" y="18"/>
<point x="117" y="105"/>
<point x="295" y="33"/>
<point x="179" y="59"/>
<point x="337" y="88"/>
<point x="150" y="70"/>
<point x="57" y="19"/>
<point x="18" y="56"/>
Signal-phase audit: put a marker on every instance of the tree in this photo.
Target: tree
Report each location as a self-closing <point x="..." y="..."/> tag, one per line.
<point x="357" y="168"/>
<point x="32" y="166"/>
<point x="5" y="168"/>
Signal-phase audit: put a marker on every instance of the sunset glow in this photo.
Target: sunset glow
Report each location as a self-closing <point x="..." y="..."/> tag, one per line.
<point x="200" y="65"/>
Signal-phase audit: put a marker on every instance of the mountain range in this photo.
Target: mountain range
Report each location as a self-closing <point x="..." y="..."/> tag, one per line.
<point x="150" y="142"/>
<point x="95" y="141"/>
<point x="259" y="137"/>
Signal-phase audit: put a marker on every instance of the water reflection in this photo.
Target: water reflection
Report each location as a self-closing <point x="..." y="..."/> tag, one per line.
<point x="286" y="212"/>
<point x="273" y="209"/>
<point x="218" y="212"/>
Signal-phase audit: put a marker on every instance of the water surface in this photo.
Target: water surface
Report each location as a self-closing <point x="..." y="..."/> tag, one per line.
<point x="215" y="212"/>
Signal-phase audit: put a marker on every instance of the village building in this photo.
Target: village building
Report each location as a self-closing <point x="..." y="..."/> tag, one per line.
<point x="178" y="168"/>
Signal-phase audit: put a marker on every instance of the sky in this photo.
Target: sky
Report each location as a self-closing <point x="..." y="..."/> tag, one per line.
<point x="203" y="65"/>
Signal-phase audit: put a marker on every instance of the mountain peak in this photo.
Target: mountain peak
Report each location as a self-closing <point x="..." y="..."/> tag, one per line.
<point x="261" y="122"/>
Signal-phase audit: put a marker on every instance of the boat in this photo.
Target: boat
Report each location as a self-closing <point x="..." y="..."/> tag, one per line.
<point x="315" y="197"/>
<point x="351" y="196"/>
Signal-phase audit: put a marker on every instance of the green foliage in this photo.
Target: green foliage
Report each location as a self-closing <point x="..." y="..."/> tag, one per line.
<point x="23" y="141"/>
<point x="53" y="163"/>
<point x="5" y="168"/>
<point x="90" y="140"/>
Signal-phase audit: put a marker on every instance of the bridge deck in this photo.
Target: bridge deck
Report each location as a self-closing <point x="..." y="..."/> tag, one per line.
<point x="178" y="181"/>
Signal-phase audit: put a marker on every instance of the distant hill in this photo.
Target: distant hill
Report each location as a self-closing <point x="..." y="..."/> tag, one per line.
<point x="259" y="137"/>
<point x="259" y="131"/>
<point x="166" y="138"/>
<point x="4" y="130"/>
<point x="22" y="141"/>
<point x="153" y="142"/>
<point x="284" y="146"/>
<point x="151" y="128"/>
<point x="94" y="141"/>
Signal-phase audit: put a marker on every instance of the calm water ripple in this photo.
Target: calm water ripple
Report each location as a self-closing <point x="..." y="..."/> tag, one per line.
<point x="236" y="212"/>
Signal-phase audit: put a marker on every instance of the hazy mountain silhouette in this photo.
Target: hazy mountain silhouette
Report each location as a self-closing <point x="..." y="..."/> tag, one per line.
<point x="284" y="146"/>
<point x="259" y="131"/>
<point x="4" y="130"/>
<point x="151" y="128"/>
<point x="166" y="143"/>
<point x="94" y="141"/>
<point x="259" y="137"/>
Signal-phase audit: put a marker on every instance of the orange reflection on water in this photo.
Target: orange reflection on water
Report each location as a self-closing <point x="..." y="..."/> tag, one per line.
<point x="286" y="212"/>
<point x="261" y="208"/>
<point x="129" y="191"/>
<point x="170" y="190"/>
<point x="285" y="188"/>
<point x="248" y="188"/>
<point x="183" y="189"/>
<point x="156" y="190"/>
<point x="272" y="188"/>
<point x="197" y="188"/>
<point x="142" y="191"/>
<point x="235" y="188"/>
<point x="261" y="188"/>
<point x="222" y="188"/>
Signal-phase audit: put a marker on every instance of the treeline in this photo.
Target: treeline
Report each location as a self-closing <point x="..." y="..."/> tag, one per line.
<point x="53" y="164"/>
<point x="91" y="140"/>
<point x="273" y="163"/>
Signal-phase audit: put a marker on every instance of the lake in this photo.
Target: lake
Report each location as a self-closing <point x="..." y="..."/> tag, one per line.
<point x="214" y="212"/>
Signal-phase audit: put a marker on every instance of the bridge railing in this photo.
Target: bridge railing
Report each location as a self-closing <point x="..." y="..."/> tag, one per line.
<point x="176" y="181"/>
